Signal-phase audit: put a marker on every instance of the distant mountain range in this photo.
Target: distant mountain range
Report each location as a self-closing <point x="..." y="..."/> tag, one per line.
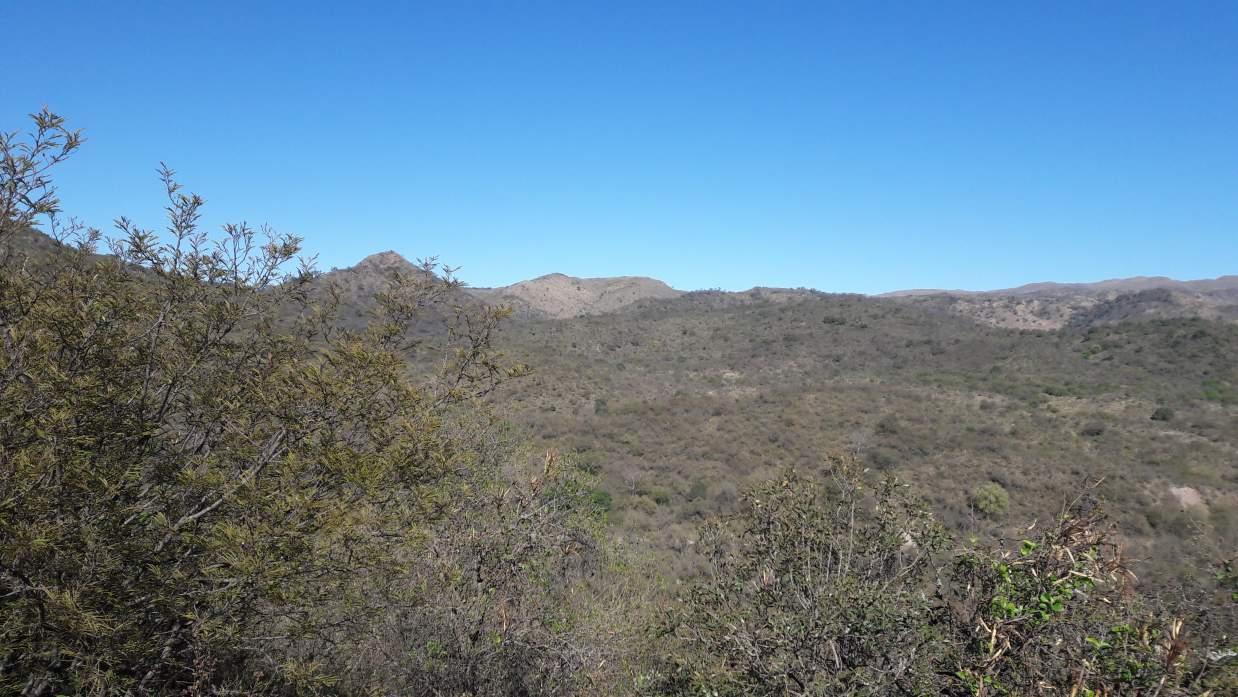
<point x="1045" y="305"/>
<point x="1114" y="285"/>
<point x="553" y="296"/>
<point x="1041" y="306"/>
<point x="1036" y="306"/>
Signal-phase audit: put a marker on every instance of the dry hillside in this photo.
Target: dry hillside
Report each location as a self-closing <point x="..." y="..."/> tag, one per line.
<point x="558" y="296"/>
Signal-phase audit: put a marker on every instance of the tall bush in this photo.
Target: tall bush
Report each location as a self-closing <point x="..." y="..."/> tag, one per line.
<point x="207" y="486"/>
<point x="842" y="586"/>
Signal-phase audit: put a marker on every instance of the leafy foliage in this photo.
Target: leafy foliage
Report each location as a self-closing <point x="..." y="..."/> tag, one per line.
<point x="812" y="588"/>
<point x="207" y="486"/>
<point x="990" y="499"/>
<point x="839" y="586"/>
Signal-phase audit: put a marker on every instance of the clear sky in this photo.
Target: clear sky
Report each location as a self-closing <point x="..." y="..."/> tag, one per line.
<point x="849" y="147"/>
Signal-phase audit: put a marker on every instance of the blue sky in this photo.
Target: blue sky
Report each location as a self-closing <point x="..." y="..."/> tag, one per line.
<point x="849" y="147"/>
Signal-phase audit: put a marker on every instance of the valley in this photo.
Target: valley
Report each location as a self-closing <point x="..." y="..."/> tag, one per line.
<point x="680" y="400"/>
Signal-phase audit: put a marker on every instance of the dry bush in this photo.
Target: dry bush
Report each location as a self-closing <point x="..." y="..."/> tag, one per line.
<point x="842" y="586"/>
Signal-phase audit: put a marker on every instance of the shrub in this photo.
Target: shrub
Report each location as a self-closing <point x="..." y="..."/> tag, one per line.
<point x="726" y="496"/>
<point x="207" y="488"/>
<point x="990" y="499"/>
<point x="698" y="490"/>
<point x="507" y="602"/>
<point x="1163" y="414"/>
<point x="843" y="586"/>
<point x="801" y="563"/>
<point x="1092" y="430"/>
<point x="601" y="498"/>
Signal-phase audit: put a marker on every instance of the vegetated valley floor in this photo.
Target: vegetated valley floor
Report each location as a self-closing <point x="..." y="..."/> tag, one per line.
<point x="679" y="403"/>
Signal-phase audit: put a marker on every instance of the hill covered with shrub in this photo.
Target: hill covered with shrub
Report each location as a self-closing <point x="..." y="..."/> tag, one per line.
<point x="224" y="473"/>
<point x="682" y="402"/>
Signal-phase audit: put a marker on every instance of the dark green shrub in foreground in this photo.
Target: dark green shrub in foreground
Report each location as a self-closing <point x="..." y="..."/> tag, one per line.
<point x="207" y="488"/>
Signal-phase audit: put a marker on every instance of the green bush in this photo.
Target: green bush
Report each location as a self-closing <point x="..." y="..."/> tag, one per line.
<point x="1216" y="390"/>
<point x="208" y="488"/>
<point x="990" y="499"/>
<point x="601" y="498"/>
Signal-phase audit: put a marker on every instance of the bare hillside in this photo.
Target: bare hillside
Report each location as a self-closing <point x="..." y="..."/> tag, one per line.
<point x="1047" y="306"/>
<point x="1098" y="288"/>
<point x="558" y="296"/>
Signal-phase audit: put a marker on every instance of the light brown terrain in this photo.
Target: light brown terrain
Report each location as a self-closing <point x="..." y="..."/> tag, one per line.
<point x="557" y="296"/>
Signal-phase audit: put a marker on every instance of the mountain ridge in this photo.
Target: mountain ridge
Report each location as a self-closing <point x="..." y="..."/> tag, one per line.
<point x="1127" y="284"/>
<point x="1033" y="306"/>
<point x="1226" y="282"/>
